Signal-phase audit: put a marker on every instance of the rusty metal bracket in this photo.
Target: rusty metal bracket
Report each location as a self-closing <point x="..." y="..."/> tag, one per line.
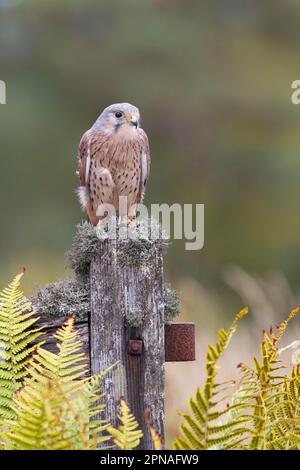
<point x="180" y="342"/>
<point x="135" y="347"/>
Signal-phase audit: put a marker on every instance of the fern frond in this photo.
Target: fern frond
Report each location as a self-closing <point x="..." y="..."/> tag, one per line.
<point x="84" y="423"/>
<point x="127" y="436"/>
<point x="67" y="366"/>
<point x="47" y="419"/>
<point x="203" y="428"/>
<point x="40" y="420"/>
<point x="16" y="337"/>
<point x="50" y="416"/>
<point x="271" y="395"/>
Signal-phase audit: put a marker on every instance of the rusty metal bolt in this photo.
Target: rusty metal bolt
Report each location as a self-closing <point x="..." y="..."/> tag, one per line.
<point x="135" y="347"/>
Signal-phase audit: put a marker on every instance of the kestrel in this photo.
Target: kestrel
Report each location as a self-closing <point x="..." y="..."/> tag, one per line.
<point x="114" y="160"/>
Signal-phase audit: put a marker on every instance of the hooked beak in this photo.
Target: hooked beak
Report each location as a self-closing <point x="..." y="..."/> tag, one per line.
<point x="134" y="121"/>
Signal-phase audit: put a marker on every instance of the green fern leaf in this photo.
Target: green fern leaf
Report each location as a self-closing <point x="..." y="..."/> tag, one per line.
<point x="17" y="335"/>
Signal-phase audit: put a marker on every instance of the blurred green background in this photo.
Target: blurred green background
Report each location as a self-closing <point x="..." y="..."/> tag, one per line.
<point x="212" y="79"/>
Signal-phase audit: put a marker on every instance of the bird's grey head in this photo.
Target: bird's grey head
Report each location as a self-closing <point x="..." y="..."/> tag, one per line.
<point x="119" y="118"/>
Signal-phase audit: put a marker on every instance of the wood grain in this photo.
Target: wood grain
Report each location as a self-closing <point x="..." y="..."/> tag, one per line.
<point x="117" y="290"/>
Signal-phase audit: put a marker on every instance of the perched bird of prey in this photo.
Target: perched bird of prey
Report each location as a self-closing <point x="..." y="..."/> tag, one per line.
<point x="114" y="160"/>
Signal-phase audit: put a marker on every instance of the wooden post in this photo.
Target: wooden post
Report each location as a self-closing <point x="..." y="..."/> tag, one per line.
<point x="127" y="326"/>
<point x="123" y="322"/>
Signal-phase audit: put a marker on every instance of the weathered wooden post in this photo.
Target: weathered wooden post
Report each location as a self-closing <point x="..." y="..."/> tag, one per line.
<point x="123" y="314"/>
<point x="127" y="327"/>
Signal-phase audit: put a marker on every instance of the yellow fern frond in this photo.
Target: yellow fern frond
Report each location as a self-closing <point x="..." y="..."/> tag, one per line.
<point x="40" y="419"/>
<point x="51" y="416"/>
<point x="202" y="428"/>
<point x="273" y="403"/>
<point x="127" y="436"/>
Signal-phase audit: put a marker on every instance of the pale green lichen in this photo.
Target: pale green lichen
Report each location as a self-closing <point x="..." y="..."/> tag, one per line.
<point x="134" y="252"/>
<point x="172" y="303"/>
<point x="84" y="247"/>
<point x="143" y="236"/>
<point x="71" y="295"/>
<point x="135" y="318"/>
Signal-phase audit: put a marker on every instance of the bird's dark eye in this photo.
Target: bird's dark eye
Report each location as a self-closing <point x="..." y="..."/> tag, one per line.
<point x="118" y="114"/>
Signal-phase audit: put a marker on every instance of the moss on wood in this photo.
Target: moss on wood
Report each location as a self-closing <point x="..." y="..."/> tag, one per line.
<point x="84" y="247"/>
<point x="135" y="318"/>
<point x="71" y="295"/>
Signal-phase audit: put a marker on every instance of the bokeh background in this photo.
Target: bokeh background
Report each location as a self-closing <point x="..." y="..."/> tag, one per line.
<point x="213" y="82"/>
